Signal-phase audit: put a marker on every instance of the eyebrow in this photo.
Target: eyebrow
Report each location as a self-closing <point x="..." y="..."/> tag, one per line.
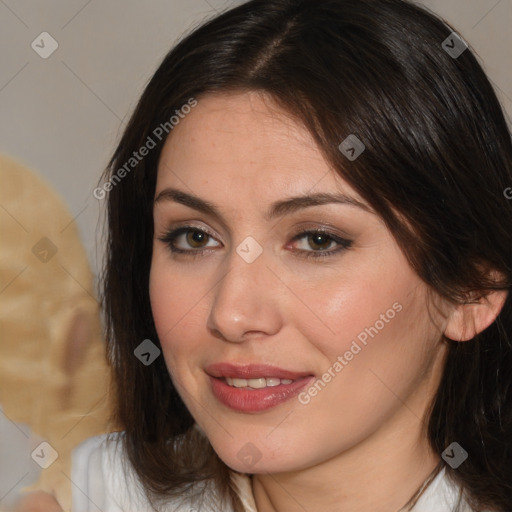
<point x="277" y="209"/>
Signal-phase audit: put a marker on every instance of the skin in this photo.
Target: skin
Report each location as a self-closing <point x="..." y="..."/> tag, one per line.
<point x="359" y="444"/>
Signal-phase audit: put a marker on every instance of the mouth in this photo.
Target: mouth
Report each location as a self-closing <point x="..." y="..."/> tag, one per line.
<point x="252" y="372"/>
<point x="258" y="383"/>
<point x="251" y="388"/>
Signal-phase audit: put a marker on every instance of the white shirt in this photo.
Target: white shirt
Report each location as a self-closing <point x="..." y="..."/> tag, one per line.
<point x="103" y="479"/>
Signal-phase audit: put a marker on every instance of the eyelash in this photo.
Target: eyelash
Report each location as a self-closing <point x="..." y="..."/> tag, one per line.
<point x="170" y="237"/>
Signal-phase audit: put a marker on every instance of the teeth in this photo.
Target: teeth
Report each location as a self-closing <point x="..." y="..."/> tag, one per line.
<point x="260" y="383"/>
<point x="257" y="383"/>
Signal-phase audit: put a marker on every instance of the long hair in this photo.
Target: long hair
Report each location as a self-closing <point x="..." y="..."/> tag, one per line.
<point x="437" y="160"/>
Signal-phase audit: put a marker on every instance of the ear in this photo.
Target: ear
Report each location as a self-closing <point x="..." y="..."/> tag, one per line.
<point x="467" y="320"/>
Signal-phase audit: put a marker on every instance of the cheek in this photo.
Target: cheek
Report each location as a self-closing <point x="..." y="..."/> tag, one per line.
<point x="388" y="344"/>
<point x="370" y="361"/>
<point x="176" y="306"/>
<point x="342" y="310"/>
<point x="376" y="320"/>
<point x="351" y="298"/>
<point x="180" y="298"/>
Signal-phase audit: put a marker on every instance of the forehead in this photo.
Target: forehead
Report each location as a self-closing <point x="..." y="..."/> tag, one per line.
<point x="246" y="143"/>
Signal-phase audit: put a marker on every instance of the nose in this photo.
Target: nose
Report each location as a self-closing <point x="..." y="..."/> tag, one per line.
<point x="245" y="303"/>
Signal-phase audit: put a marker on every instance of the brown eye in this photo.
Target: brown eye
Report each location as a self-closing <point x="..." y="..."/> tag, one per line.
<point x="197" y="239"/>
<point x="319" y="241"/>
<point x="188" y="239"/>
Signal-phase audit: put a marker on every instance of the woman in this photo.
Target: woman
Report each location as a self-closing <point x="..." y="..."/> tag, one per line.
<point x="308" y="275"/>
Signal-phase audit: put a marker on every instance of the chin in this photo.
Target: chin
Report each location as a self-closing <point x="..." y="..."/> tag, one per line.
<point x="252" y="458"/>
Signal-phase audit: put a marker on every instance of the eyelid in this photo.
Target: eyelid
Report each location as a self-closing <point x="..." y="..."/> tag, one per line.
<point x="305" y="232"/>
<point x="343" y="241"/>
<point x="322" y="227"/>
<point x="173" y="232"/>
<point x="174" y="228"/>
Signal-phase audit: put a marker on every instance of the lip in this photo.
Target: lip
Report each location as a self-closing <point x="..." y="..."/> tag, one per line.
<point x="252" y="371"/>
<point x="254" y="400"/>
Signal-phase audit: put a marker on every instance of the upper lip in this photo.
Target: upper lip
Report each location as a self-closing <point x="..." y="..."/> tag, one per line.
<point x="252" y="371"/>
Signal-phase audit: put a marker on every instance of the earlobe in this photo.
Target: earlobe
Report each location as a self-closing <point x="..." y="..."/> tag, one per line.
<point x="468" y="319"/>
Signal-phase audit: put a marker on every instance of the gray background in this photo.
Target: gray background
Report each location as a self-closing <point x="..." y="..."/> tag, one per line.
<point x="63" y="115"/>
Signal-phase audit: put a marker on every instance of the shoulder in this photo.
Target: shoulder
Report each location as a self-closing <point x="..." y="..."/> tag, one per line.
<point x="103" y="479"/>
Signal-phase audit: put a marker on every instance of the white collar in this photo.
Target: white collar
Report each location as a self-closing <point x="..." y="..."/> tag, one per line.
<point x="441" y="494"/>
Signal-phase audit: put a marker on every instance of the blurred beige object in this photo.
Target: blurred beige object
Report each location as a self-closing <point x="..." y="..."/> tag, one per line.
<point x="38" y="502"/>
<point x="53" y="373"/>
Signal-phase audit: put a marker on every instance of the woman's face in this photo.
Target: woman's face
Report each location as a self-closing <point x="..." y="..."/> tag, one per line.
<point x="270" y="270"/>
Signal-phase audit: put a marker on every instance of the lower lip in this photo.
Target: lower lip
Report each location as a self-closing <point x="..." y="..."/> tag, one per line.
<point x="256" y="400"/>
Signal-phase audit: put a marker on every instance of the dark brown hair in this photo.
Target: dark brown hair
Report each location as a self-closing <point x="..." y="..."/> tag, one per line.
<point x="438" y="158"/>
